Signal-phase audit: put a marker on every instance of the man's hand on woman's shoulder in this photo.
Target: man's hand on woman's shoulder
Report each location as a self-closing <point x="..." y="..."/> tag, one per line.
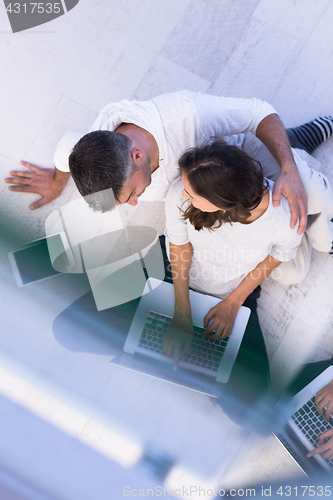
<point x="289" y="184"/>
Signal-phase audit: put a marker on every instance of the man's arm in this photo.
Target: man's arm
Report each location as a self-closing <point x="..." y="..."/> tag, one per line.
<point x="178" y="336"/>
<point x="272" y="133"/>
<point x="47" y="182"/>
<point x="223" y="315"/>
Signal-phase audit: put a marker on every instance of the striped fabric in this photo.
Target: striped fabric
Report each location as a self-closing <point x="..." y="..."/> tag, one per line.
<point x="310" y="135"/>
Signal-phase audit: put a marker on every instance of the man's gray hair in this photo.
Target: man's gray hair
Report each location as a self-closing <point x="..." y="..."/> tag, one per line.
<point x="100" y="161"/>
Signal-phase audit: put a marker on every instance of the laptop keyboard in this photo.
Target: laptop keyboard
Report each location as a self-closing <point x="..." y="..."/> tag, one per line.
<point x="311" y="423"/>
<point x="204" y="352"/>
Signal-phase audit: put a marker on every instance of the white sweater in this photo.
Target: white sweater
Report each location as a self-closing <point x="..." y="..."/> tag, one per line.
<point x="223" y="257"/>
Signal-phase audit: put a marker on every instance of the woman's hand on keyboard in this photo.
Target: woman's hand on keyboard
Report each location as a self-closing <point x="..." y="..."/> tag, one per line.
<point x="222" y="318"/>
<point x="324" y="398"/>
<point x="178" y="337"/>
<point x="325" y="449"/>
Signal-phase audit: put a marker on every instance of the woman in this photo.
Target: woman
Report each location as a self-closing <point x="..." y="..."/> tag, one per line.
<point x="224" y="239"/>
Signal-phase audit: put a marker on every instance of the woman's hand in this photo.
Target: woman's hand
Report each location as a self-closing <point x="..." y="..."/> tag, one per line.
<point x="325" y="449"/>
<point x="178" y="337"/>
<point x="325" y="398"/>
<point x="223" y="317"/>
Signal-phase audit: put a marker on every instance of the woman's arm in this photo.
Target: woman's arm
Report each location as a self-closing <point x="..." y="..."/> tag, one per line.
<point x="324" y="401"/>
<point x="225" y="312"/>
<point x="324" y="448"/>
<point x="180" y="259"/>
<point x="178" y="336"/>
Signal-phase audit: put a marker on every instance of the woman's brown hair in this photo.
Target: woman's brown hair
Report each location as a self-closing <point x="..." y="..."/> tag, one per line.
<point x="225" y="176"/>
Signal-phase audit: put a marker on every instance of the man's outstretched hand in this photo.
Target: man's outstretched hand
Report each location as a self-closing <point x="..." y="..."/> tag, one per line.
<point x="290" y="186"/>
<point x="47" y="182"/>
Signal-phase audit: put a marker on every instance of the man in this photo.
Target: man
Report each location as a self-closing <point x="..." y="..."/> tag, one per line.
<point x="145" y="140"/>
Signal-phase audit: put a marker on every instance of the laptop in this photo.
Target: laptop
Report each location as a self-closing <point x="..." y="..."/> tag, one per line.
<point x="209" y="362"/>
<point x="300" y="434"/>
